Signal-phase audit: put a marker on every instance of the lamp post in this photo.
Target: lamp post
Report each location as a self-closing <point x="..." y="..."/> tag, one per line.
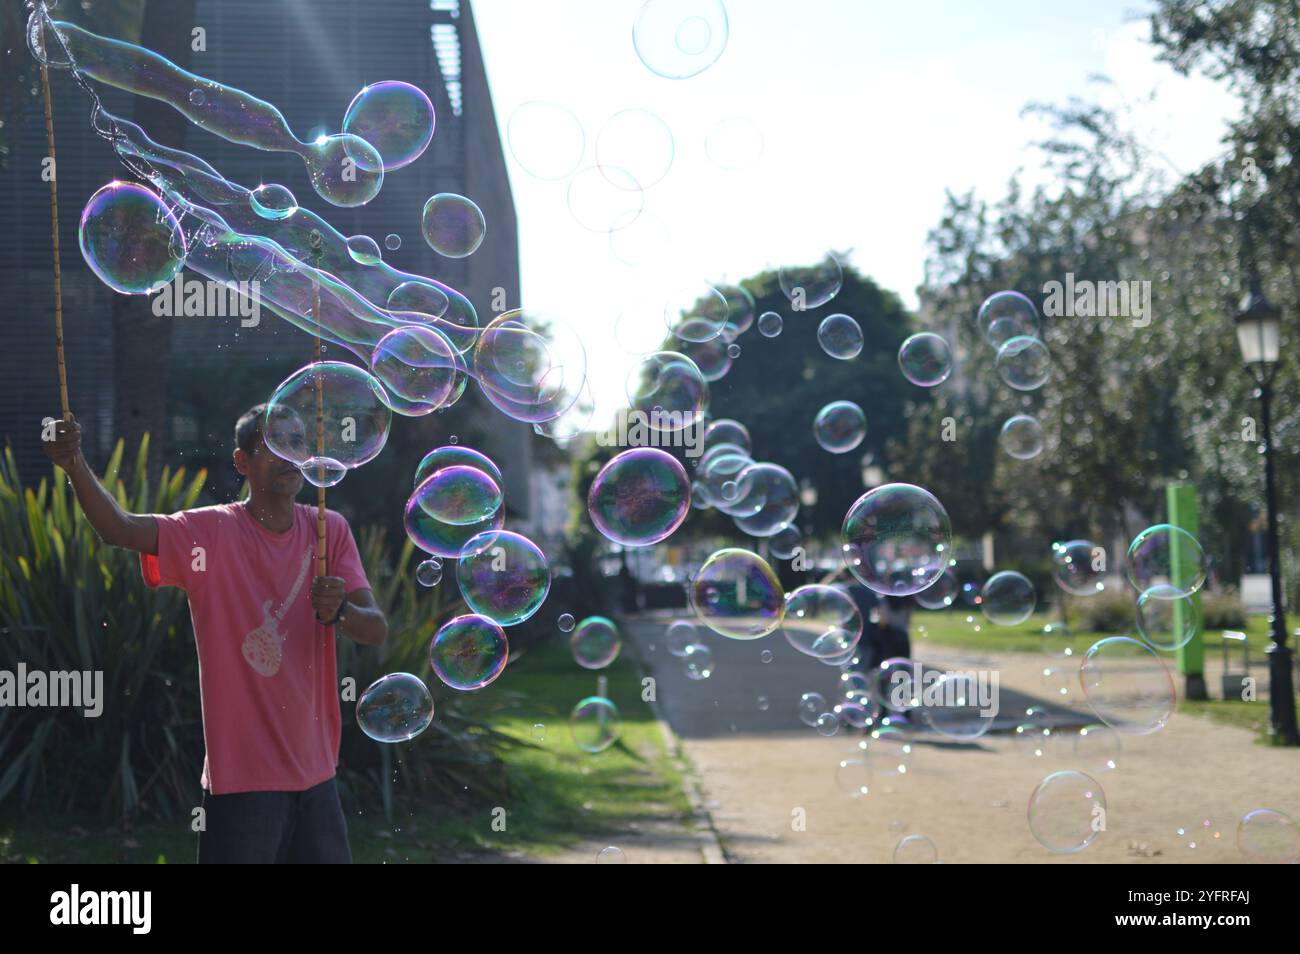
<point x="1259" y="325"/>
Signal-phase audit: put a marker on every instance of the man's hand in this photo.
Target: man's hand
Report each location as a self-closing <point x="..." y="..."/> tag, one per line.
<point x="327" y="595"/>
<point x="65" y="448"/>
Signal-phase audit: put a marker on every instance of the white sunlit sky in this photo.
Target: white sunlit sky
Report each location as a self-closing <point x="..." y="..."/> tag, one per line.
<point x="869" y="112"/>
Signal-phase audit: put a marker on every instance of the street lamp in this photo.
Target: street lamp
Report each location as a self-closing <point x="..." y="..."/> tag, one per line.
<point x="1259" y="330"/>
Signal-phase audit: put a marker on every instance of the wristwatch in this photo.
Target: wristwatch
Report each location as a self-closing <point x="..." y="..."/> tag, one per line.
<point x="343" y="608"/>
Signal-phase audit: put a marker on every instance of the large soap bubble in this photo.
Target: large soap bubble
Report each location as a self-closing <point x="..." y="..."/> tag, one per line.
<point x="1166" y="554"/>
<point x="897" y="539"/>
<point x="1127" y="685"/>
<point x="452" y="225"/>
<point x="420" y="369"/>
<point x="531" y="367"/>
<point x="767" y="499"/>
<point x="503" y="576"/>
<point x="1080" y="567"/>
<point x="396" y="118"/>
<point x="737" y="595"/>
<point x="1024" y="363"/>
<point x="925" y="359"/>
<point x="395" y="708"/>
<point x="355" y="416"/>
<point x="1064" y="809"/>
<point x="640" y="497"/>
<point x="821" y="620"/>
<point x="130" y="239"/>
<point x="810" y="286"/>
<point x="840" y="426"/>
<point x="469" y="652"/>
<point x="677" y="39"/>
<point x="669" y="390"/>
<point x="1005" y="315"/>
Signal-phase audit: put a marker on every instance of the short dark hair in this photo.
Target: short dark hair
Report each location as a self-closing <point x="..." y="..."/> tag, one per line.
<point x="249" y="428"/>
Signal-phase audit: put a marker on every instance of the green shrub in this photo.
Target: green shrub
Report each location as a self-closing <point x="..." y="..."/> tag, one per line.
<point x="1222" y="610"/>
<point x="1111" y="611"/>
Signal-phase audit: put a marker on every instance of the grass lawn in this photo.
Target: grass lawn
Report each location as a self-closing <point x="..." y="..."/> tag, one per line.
<point x="560" y="797"/>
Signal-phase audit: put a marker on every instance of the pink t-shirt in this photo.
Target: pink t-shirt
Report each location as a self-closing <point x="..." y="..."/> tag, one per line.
<point x="267" y="670"/>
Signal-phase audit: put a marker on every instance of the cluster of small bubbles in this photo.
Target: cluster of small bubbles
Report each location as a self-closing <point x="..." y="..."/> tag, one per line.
<point x="1022" y="437"/>
<point x="925" y="359"/>
<point x="677" y="39"/>
<point x="546" y="139"/>
<point x="840" y="336"/>
<point x="395" y="118"/>
<point x="1008" y="598"/>
<point x="698" y="661"/>
<point x="395" y="708"/>
<point x="1077" y="569"/>
<point x="821" y="621"/>
<point x="1167" y="618"/>
<point x="273" y="202"/>
<point x="897" y="539"/>
<point x="1169" y="555"/>
<point x="1267" y="835"/>
<point x="1024" y="363"/>
<point x="130" y="239"/>
<point x="769" y="324"/>
<point x="429" y="572"/>
<point x="452" y="225"/>
<point x="503" y="576"/>
<point x="737" y="595"/>
<point x="1063" y="811"/>
<point x="565" y="622"/>
<point x="1127" y="685"/>
<point x="594" y="723"/>
<point x="916" y="850"/>
<point x="595" y="643"/>
<point x="810" y="286"/>
<point x="640" y="497"/>
<point x="840" y="426"/>
<point x="1005" y="315"/>
<point x="469" y="652"/>
<point x="354" y="424"/>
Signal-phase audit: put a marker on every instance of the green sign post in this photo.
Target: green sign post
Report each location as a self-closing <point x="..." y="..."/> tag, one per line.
<point x="1180" y="500"/>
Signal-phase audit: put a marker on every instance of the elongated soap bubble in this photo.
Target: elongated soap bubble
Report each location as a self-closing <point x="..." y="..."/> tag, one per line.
<point x="595" y="642"/>
<point x="396" y="118"/>
<point x="273" y="202"/>
<point x="839" y="427"/>
<point x="503" y="576"/>
<point x="452" y="225"/>
<point x="356" y="418"/>
<point x="469" y="652"/>
<point x="640" y="497"/>
<point x="130" y="239"/>
<point x="737" y="595"/>
<point x="678" y="39"/>
<point x="395" y="708"/>
<point x="897" y="539"/>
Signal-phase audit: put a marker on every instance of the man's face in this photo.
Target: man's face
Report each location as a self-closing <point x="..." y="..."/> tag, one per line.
<point x="268" y="476"/>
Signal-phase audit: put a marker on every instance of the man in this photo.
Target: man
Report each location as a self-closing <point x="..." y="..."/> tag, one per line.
<point x="267" y="668"/>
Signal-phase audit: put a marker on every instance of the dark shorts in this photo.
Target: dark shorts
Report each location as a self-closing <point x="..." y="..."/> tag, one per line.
<point x="275" y="828"/>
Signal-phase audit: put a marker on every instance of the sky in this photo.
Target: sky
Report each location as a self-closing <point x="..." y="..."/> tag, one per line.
<point x="868" y="112"/>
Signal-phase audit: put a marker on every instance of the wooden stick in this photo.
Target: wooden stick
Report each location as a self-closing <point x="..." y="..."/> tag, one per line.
<point x="54" y="233"/>
<point x="320" y="427"/>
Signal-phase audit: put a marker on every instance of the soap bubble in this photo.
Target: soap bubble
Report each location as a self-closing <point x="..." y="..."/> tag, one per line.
<point x="810" y="286"/>
<point x="827" y="724"/>
<point x="767" y="499"/>
<point x="897" y="539"/>
<point x="1008" y="598"/>
<point x="419" y="297"/>
<point x="726" y="431"/>
<point x="769" y="324"/>
<point x="916" y="850"/>
<point x="611" y="856"/>
<point x="565" y="622"/>
<point x="737" y="595"/>
<point x="355" y="417"/>
<point x="839" y="427"/>
<point x="392" y="241"/>
<point x="1024" y="363"/>
<point x="420" y="369"/>
<point x="1034" y="740"/>
<point x="638" y="142"/>
<point x="1097" y="748"/>
<point x="1063" y="811"/>
<point x="734" y="143"/>
<point x="443" y="540"/>
<point x="893" y="684"/>
<point x="695" y="312"/>
<point x="395" y="708"/>
<point x="1006" y="315"/>
<point x="273" y="202"/>
<point x="941" y="594"/>
<point x="840" y="337"/>
<point x="953" y="707"/>
<point x="452" y="225"/>
<point x="531" y="367"/>
<point x="853" y="776"/>
<point x="679" y="636"/>
<point x="677" y="39"/>
<point x="814" y="611"/>
<point x="345" y="170"/>
<point x="396" y="118"/>
<point x="594" y="724"/>
<point x="1166" y="618"/>
<point x="469" y="652"/>
<point x="503" y="576"/>
<point x="698" y="661"/>
<point x="740" y="313"/>
<point x="45" y="41"/>
<point x="546" y="139"/>
<point x="925" y="359"/>
<point x="786" y="542"/>
<point x="461" y="495"/>
<point x="811" y="705"/>
<point x="595" y="643"/>
<point x="640" y="497"/>
<point x="322" y="471"/>
<point x="1127" y="685"/>
<point x="364" y="250"/>
<point x="456" y="455"/>
<point x="1077" y="569"/>
<point x="1266" y="835"/>
<point x="889" y="750"/>
<point x="429" y="572"/>
<point x="130" y="239"/>
<point x="1022" y="437"/>
<point x="671" y="383"/>
<point x="1166" y="554"/>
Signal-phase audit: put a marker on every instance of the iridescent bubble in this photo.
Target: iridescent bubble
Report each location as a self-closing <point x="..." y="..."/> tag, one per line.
<point x="1079" y="567"/>
<point x="840" y="337"/>
<point x="503" y="576"/>
<point x="958" y="707"/>
<point x="677" y="39"/>
<point x="810" y="286"/>
<point x="827" y="724"/>
<point x="1166" y="554"/>
<point x="594" y="724"/>
<point x="726" y="431"/>
<point x="740" y="312"/>
<point x="925" y="359"/>
<point x="669" y="390"/>
<point x="531" y="367"/>
<point x="1127" y="686"/>
<point x="546" y="139"/>
<point x="1022" y="437"/>
<point x="322" y="471"/>
<point x="461" y="495"/>
<point x="396" y="118"/>
<point x="737" y="595"/>
<point x="345" y="170"/>
<point x="595" y="643"/>
<point x="565" y="622"/>
<point x="698" y="662"/>
<point x="733" y="351"/>
<point x="813" y="611"/>
<point x="640" y="497"/>
<point x="1024" y="363"/>
<point x="443" y="540"/>
<point x="1097" y="748"/>
<point x="456" y="455"/>
<point x="130" y="239"/>
<point x="893" y="684"/>
<point x="853" y="713"/>
<point x="1267" y="835"/>
<point x="941" y="594"/>
<point x="734" y="143"/>
<point x="273" y="202"/>
<point x="638" y="142"/>
<point x="364" y="250"/>
<point x="44" y="40"/>
<point x="713" y="358"/>
<point x="392" y="241"/>
<point x="897" y="539"/>
<point x="766" y="499"/>
<point x="916" y="850"/>
<point x="198" y="97"/>
<point x="811" y="705"/>
<point x="420" y="369"/>
<point x="395" y="708"/>
<point x="1008" y="598"/>
<point x="695" y="313"/>
<point x="1005" y="315"/>
<point x="1064" y="809"/>
<point x="1166" y="618"/>
<point x="839" y="427"/>
<point x="355" y="418"/>
<point x="611" y="856"/>
<point x="605" y="198"/>
<point x="680" y="635"/>
<point x="452" y="225"/>
<point x="769" y="324"/>
<point x="786" y="542"/>
<point x="469" y="652"/>
<point x="419" y="297"/>
<point x="429" y="572"/>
